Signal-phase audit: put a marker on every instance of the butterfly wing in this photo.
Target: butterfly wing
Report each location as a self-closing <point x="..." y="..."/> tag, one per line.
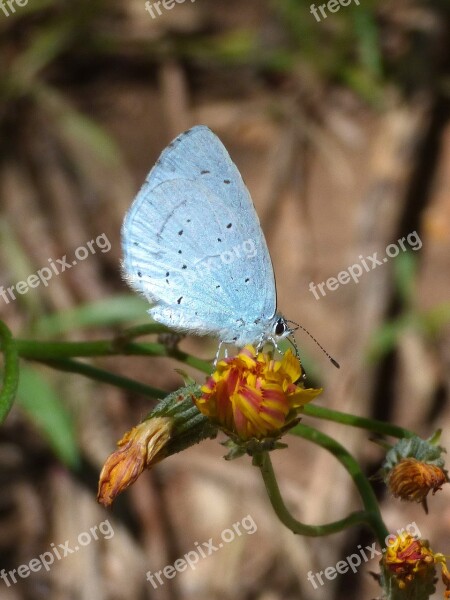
<point x="193" y="245"/>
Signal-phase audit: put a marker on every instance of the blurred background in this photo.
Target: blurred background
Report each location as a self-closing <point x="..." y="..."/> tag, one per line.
<point x="340" y="128"/>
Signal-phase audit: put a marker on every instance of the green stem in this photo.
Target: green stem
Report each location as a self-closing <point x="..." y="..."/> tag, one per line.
<point x="146" y="329"/>
<point x="10" y="371"/>
<point x="44" y="351"/>
<point x="312" y="410"/>
<point x="74" y="366"/>
<point x="373" y="515"/>
<point x="262" y="460"/>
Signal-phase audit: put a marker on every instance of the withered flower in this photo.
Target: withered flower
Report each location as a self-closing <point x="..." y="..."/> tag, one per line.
<point x="411" y="479"/>
<point x="413" y="468"/>
<point x="174" y="424"/>
<point x="139" y="449"/>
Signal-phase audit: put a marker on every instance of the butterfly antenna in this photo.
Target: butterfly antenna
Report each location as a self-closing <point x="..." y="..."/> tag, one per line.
<point x="332" y="360"/>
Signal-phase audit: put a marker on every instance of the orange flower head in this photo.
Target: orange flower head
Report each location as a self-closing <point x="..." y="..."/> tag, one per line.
<point x="251" y="395"/>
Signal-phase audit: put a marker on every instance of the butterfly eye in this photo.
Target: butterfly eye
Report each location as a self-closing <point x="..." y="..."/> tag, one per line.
<point x="280" y="327"/>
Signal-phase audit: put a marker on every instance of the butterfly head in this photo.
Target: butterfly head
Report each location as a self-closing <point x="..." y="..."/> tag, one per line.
<point x="280" y="328"/>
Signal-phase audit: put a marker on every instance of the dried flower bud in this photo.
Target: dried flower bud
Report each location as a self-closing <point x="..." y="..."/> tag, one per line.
<point x="412" y="480"/>
<point x="174" y="424"/>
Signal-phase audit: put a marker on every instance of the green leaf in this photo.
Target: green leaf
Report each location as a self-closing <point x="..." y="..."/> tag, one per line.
<point x="405" y="269"/>
<point x="44" y="48"/>
<point x="366" y="31"/>
<point x="104" y="313"/>
<point x="386" y="338"/>
<point x="10" y="376"/>
<point x="41" y="403"/>
<point x="435" y="319"/>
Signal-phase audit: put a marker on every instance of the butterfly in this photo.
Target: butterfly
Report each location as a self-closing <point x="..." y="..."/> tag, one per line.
<point x="193" y="246"/>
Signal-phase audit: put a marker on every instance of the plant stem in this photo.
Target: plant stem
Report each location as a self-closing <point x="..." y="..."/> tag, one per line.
<point x="262" y="460"/>
<point x="146" y="329"/>
<point x="74" y="366"/>
<point x="45" y="351"/>
<point x="319" y="412"/>
<point x="372" y="511"/>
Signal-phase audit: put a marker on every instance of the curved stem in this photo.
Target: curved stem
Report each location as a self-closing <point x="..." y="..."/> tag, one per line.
<point x="373" y="425"/>
<point x="11" y="371"/>
<point x="373" y="515"/>
<point x="262" y="460"/>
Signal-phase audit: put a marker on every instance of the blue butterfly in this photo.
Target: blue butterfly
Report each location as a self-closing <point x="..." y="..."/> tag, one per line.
<point x="193" y="246"/>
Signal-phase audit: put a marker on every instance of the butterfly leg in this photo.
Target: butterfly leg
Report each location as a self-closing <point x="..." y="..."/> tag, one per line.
<point x="217" y="354"/>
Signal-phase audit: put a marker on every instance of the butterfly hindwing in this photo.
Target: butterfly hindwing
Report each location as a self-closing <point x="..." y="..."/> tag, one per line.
<point x="193" y="244"/>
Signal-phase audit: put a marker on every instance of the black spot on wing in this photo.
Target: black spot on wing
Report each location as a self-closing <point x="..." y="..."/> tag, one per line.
<point x="204" y="172"/>
<point x="230" y="225"/>
<point x="179" y="300"/>
<point x="227" y="181"/>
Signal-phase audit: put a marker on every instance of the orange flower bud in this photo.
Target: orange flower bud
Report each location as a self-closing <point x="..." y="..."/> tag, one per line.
<point x="139" y="449"/>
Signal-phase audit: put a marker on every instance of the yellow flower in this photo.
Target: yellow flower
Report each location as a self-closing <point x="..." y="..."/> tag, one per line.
<point x="139" y="449"/>
<point x="254" y="396"/>
<point x="408" y="557"/>
<point x="410" y="565"/>
<point x="445" y="577"/>
<point x="411" y="479"/>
